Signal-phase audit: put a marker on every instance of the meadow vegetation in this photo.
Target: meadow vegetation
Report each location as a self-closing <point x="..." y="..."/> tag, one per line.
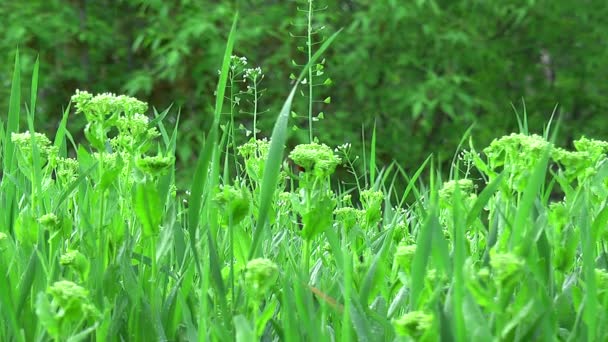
<point x="97" y="242"/>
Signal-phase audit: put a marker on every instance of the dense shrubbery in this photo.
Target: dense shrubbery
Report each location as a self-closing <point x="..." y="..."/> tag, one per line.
<point x="423" y="70"/>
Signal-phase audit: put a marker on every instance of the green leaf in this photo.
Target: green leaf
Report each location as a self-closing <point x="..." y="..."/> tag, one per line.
<point x="46" y="315"/>
<point x="483" y="199"/>
<point x="244" y="332"/>
<point x="148" y="208"/>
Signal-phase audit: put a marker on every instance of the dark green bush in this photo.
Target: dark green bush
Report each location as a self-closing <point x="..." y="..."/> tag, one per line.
<point x="423" y="70"/>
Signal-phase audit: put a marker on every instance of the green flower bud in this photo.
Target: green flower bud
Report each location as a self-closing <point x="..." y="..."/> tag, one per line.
<point x="49" y="221"/>
<point x="77" y="261"/>
<point x="315" y="158"/>
<point x="23" y="141"/>
<point x="506" y="267"/>
<point x="465" y="186"/>
<point x="413" y="324"/>
<point x="235" y="201"/>
<point x="260" y="275"/>
<point x="155" y="165"/>
<point x="67" y="169"/>
<point x="372" y="207"/>
<point x="254" y="153"/>
<point x="404" y="256"/>
<point x="347" y="216"/>
<point x="72" y="300"/>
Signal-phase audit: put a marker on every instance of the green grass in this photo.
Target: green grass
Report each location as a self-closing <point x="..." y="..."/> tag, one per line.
<point x="105" y="247"/>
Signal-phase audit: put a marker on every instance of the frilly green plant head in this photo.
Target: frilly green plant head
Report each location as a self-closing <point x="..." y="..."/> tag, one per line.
<point x="49" y="221"/>
<point x="67" y="169"/>
<point x="254" y="153"/>
<point x="235" y="202"/>
<point x="595" y="148"/>
<point x="414" y="324"/>
<point x="155" y="165"/>
<point x="575" y="164"/>
<point x="319" y="159"/>
<point x="516" y="145"/>
<point x="106" y="111"/>
<point x="516" y="154"/>
<point x="347" y="216"/>
<point x="260" y="275"/>
<point x="506" y="267"/>
<point x="446" y="192"/>
<point x="23" y="141"/>
<point x="404" y="256"/>
<point x="70" y="305"/>
<point x="106" y="107"/>
<point x="72" y="298"/>
<point x="76" y="261"/>
<point x="582" y="163"/>
<point x="372" y="207"/>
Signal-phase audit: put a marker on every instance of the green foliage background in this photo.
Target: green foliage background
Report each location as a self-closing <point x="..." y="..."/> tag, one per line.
<point x="423" y="70"/>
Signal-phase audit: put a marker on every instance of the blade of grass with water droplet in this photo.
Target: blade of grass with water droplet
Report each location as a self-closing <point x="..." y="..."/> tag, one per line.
<point x="535" y="181"/>
<point x="199" y="180"/>
<point x="275" y="154"/>
<point x="482" y="199"/>
<point x="7" y="195"/>
<point x="422" y="256"/>
<point x="459" y="255"/>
